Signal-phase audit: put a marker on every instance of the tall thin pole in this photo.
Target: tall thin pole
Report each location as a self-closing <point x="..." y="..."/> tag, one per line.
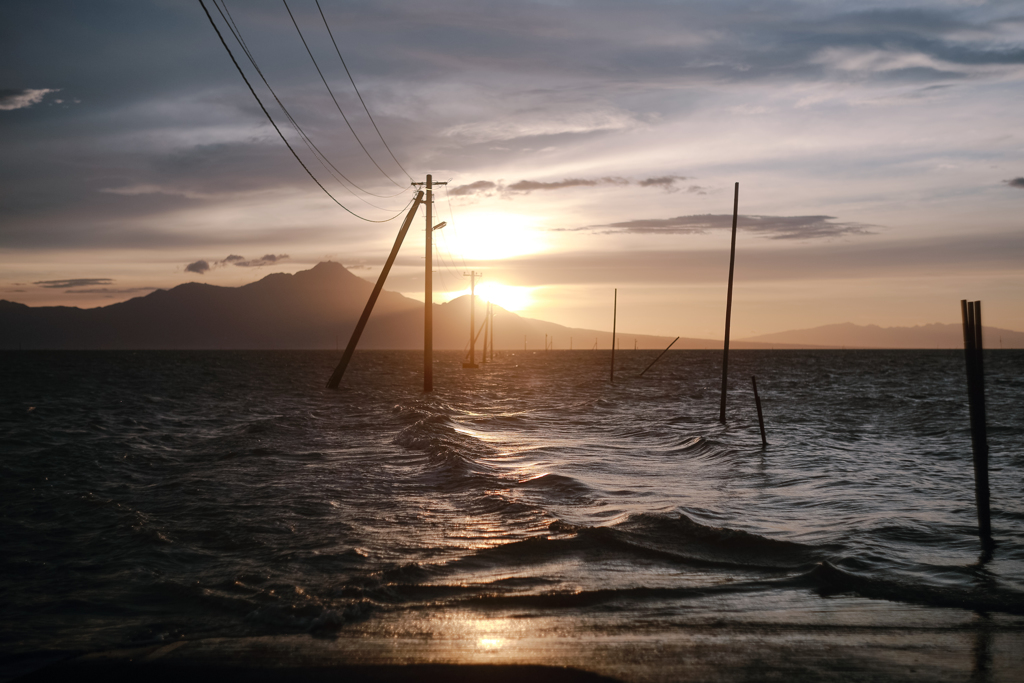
<point x="615" y="316"/>
<point x="428" y="293"/>
<point x="339" y="371"/>
<point x="728" y="304"/>
<point x="973" y="352"/>
<point x="490" y="307"/>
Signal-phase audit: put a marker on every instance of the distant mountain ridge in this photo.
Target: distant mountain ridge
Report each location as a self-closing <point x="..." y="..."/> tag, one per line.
<point x="318" y="308"/>
<point x="933" y="336"/>
<point x="312" y="309"/>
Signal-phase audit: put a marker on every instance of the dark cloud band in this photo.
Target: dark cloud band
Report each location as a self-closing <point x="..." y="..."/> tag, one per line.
<point x="773" y="227"/>
<point x="75" y="282"/>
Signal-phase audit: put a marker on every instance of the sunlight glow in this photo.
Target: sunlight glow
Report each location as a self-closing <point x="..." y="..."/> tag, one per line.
<point x="493" y="235"/>
<point x="509" y="297"/>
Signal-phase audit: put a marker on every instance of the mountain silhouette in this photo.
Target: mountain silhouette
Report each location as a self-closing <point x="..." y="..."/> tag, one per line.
<point x="312" y="309"/>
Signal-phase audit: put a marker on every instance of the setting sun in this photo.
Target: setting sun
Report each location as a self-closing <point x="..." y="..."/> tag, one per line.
<point x="509" y="297"/>
<point x="492" y="235"/>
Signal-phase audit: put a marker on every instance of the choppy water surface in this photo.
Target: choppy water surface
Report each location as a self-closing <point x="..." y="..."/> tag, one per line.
<point x="157" y="495"/>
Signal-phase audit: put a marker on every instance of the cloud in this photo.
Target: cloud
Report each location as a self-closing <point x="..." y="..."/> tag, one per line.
<point x="1016" y="182"/>
<point x="479" y="187"/>
<point x="530" y="185"/>
<point x="76" y="282"/>
<point x="665" y="181"/>
<point x="22" y="99"/>
<point x="197" y="267"/>
<point x="268" y="259"/>
<point x="773" y="227"/>
<point x="527" y="186"/>
<point x="668" y="183"/>
<point x="107" y="290"/>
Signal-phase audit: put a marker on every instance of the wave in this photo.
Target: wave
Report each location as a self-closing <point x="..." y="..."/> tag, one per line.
<point x="830" y="580"/>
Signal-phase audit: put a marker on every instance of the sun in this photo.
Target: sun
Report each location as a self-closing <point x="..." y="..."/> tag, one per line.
<point x="509" y="297"/>
<point x="488" y="236"/>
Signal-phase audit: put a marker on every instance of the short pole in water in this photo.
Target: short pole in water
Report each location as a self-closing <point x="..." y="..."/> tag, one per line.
<point x="760" y="415"/>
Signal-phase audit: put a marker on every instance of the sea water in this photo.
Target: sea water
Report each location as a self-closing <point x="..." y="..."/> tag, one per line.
<point x="149" y="496"/>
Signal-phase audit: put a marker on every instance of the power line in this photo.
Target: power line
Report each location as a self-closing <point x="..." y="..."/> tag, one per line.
<point x="331" y="92"/>
<point x="351" y="80"/>
<point x="225" y="14"/>
<point x="451" y="217"/>
<point x="283" y="138"/>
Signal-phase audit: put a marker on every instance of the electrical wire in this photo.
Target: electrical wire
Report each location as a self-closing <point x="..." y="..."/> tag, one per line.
<point x="351" y="80"/>
<point x="225" y="14"/>
<point x="451" y="216"/>
<point x="283" y="138"/>
<point x="331" y="92"/>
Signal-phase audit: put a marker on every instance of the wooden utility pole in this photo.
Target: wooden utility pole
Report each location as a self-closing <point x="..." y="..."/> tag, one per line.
<point x="472" y="319"/>
<point x="483" y="351"/>
<point x="728" y="304"/>
<point x="339" y="371"/>
<point x="428" y="287"/>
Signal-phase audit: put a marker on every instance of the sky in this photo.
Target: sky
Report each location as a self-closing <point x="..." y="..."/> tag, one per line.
<point x="587" y="146"/>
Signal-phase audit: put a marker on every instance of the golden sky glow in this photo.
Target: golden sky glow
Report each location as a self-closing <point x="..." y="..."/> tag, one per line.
<point x="878" y="148"/>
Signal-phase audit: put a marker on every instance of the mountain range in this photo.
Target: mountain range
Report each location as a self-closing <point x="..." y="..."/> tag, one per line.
<point x="318" y="308"/>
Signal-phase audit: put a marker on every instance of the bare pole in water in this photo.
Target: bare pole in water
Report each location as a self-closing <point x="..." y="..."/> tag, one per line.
<point x="973" y="350"/>
<point x="339" y="371"/>
<point x="760" y="415"/>
<point x="728" y="304"/>
<point x="490" y="317"/>
<point x="615" y="316"/>
<point x="659" y="356"/>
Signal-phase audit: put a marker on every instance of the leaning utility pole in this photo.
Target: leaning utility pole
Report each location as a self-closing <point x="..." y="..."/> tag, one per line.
<point x="472" y="319"/>
<point x="339" y="371"/>
<point x="428" y="289"/>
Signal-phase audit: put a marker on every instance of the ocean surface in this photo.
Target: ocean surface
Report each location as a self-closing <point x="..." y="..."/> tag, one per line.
<point x="153" y="496"/>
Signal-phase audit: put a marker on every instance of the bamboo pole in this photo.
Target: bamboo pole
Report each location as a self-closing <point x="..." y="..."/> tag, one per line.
<point x="659" y="356"/>
<point x="728" y="305"/>
<point x="615" y="315"/>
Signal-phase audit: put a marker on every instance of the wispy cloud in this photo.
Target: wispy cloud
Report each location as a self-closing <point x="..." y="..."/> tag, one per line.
<point x="108" y="290"/>
<point x="20" y="99"/>
<point x="485" y="187"/>
<point x="531" y="185"/>
<point x="773" y="227"/>
<point x="266" y="260"/>
<point x="75" y="282"/>
<point x="479" y="187"/>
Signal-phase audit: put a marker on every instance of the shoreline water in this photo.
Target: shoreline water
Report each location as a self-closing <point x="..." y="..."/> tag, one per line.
<point x="527" y="513"/>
